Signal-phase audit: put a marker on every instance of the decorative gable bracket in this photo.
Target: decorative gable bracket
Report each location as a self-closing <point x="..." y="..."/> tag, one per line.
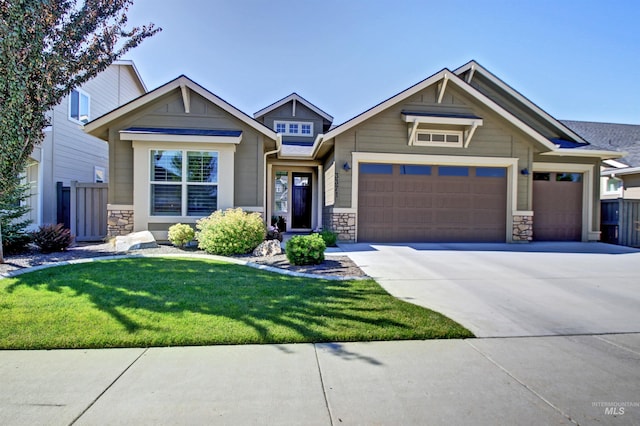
<point x="466" y="125"/>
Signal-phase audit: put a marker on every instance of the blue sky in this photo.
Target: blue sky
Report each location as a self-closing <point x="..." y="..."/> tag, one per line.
<point x="577" y="60"/>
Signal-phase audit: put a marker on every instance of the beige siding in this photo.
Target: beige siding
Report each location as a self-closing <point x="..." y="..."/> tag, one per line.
<point x="70" y="154"/>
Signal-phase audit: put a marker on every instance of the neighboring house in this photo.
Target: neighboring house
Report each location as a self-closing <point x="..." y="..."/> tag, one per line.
<point x="458" y="157"/>
<point x="67" y="152"/>
<point x="620" y="178"/>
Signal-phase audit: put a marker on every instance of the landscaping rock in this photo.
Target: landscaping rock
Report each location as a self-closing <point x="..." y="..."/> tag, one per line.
<point x="135" y="241"/>
<point x="268" y="248"/>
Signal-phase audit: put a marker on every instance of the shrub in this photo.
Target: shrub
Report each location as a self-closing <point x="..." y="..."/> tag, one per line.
<point x="329" y="237"/>
<point x="52" y="238"/>
<point x="305" y="249"/>
<point x="181" y="234"/>
<point x="230" y="232"/>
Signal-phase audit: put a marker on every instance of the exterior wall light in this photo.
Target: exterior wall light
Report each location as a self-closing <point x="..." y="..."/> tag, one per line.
<point x="524" y="172"/>
<point x="346" y="166"/>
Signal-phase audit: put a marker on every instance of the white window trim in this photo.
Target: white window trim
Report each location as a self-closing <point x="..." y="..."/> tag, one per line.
<point x="606" y="190"/>
<point x="99" y="171"/>
<point x="445" y="133"/>
<point x="184" y="183"/>
<point x="299" y="123"/>
<point x="82" y="93"/>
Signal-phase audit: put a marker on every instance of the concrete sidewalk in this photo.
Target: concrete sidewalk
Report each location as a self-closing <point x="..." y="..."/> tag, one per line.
<point x="520" y="381"/>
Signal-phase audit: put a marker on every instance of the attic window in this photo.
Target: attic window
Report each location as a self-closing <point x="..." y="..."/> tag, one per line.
<point x="423" y="129"/>
<point x="438" y="138"/>
<point x="293" y="128"/>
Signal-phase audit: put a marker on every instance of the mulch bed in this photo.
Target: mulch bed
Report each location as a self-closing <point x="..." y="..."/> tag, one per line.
<point x="333" y="265"/>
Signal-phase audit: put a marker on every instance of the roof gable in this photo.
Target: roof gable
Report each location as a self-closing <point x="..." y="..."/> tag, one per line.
<point x="444" y="76"/>
<point x="97" y="126"/>
<point x="134" y="69"/>
<point x="294" y="97"/>
<point x="471" y="68"/>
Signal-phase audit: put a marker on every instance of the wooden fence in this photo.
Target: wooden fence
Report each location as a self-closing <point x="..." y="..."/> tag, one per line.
<point x="82" y="207"/>
<point x="620" y="222"/>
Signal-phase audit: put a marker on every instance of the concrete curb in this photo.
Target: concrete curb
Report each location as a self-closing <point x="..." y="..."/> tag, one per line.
<point x="232" y="260"/>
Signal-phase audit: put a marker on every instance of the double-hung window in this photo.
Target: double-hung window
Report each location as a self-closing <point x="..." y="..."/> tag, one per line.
<point x="79" y="102"/>
<point x="183" y="183"/>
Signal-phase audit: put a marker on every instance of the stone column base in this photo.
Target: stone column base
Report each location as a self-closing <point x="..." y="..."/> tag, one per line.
<point x="522" y="228"/>
<point x="119" y="220"/>
<point x="343" y="224"/>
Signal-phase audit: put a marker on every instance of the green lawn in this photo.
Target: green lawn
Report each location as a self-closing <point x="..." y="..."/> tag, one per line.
<point x="140" y="302"/>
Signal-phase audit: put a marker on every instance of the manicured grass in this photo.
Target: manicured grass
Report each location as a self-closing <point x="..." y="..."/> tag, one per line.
<point x="142" y="302"/>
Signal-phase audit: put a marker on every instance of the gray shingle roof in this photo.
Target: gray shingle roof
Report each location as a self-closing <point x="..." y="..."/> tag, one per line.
<point x="610" y="137"/>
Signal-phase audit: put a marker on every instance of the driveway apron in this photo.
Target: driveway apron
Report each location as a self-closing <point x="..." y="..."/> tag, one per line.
<point x="506" y="290"/>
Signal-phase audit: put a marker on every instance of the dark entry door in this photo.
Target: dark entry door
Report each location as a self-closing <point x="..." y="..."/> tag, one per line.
<point x="301" y="199"/>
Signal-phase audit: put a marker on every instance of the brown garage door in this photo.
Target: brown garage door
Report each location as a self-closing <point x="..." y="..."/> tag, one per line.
<point x="557" y="206"/>
<point x="421" y="203"/>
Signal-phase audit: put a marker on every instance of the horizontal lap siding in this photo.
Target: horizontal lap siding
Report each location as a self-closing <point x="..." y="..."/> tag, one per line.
<point x="168" y="112"/>
<point x="388" y="133"/>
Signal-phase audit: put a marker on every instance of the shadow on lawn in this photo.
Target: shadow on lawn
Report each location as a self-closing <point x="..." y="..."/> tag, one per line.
<point x="315" y="310"/>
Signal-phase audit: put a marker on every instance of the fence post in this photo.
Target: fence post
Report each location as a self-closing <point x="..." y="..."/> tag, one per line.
<point x="73" y="210"/>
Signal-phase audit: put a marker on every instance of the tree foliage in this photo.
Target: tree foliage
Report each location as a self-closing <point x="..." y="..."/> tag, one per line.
<point x="47" y="48"/>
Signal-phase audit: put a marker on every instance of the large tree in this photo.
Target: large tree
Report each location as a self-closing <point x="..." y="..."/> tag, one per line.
<point x="47" y="48"/>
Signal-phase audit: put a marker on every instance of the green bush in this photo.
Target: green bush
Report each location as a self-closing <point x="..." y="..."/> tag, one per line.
<point x="181" y="234"/>
<point x="230" y="232"/>
<point x="305" y="249"/>
<point x="52" y="238"/>
<point x="329" y="237"/>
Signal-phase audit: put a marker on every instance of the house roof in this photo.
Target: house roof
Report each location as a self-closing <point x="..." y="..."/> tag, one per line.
<point x="183" y="83"/>
<point x="612" y="137"/>
<point x="183" y="132"/>
<point x="474" y="67"/>
<point x="293" y="97"/>
<point x="444" y="74"/>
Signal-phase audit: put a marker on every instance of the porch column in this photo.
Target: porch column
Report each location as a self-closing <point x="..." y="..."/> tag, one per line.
<point x="320" y="201"/>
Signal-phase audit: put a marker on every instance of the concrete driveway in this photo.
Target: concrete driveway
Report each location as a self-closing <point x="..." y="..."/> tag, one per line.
<point x="505" y="290"/>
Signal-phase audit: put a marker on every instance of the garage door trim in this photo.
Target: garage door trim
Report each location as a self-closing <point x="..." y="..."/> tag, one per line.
<point x="511" y="164"/>
<point x="587" y="192"/>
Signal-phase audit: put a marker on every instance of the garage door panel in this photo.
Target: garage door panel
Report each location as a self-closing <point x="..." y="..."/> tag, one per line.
<point x="557" y="206"/>
<point x="426" y="206"/>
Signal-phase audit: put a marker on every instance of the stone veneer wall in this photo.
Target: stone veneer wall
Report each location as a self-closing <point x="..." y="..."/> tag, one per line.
<point x="119" y="222"/>
<point x="522" y="228"/>
<point x="344" y="224"/>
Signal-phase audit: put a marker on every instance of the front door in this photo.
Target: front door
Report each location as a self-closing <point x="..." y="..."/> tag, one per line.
<point x="301" y="199"/>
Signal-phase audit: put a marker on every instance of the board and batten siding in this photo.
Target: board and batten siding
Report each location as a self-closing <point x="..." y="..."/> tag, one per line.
<point x="386" y="132"/>
<point x="285" y="113"/>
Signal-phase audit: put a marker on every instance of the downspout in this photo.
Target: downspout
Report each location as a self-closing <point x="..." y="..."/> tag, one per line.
<point x="264" y="177"/>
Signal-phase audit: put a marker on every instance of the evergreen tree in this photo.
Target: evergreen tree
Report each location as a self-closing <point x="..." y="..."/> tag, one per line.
<point x="48" y="48"/>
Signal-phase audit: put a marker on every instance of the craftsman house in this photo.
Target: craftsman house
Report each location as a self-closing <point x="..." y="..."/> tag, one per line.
<point x="458" y="157"/>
